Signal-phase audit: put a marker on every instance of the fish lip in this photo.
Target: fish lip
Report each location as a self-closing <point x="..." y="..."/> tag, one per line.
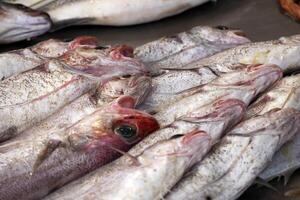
<point x="239" y="35"/>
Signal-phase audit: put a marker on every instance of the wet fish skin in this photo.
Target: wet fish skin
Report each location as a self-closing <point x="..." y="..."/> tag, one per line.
<point x="83" y="147"/>
<point x="41" y="92"/>
<point x="233" y="165"/>
<point x="212" y="119"/>
<point x="116" y="13"/>
<point x="282" y="52"/>
<point x="18" y="61"/>
<point x="20" y="23"/>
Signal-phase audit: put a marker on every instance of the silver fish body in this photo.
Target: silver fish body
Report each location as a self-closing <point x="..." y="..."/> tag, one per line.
<point x="282" y="52"/>
<point x="106" y="12"/>
<point x="241" y="155"/>
<point x="42" y="92"/>
<point x="20" y="23"/>
<point x="174" y="52"/>
<point x="18" y="61"/>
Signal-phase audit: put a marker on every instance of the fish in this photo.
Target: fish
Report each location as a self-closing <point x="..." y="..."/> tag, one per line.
<point x="291" y="8"/>
<point x="282" y="52"/>
<point x="32" y="96"/>
<point x="286" y="94"/>
<point x="176" y="51"/>
<point x="18" y="22"/>
<point x="138" y="168"/>
<point x="232" y="166"/>
<point x="244" y="84"/>
<point x="106" y="12"/>
<point x="21" y="60"/>
<point x="66" y="155"/>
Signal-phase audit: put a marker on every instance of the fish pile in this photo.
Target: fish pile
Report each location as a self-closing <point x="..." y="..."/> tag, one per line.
<point x="197" y="115"/>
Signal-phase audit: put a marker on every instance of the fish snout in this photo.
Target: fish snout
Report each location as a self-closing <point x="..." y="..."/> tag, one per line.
<point x="239" y="36"/>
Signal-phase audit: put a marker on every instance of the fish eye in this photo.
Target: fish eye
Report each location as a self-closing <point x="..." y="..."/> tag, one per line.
<point x="128" y="132"/>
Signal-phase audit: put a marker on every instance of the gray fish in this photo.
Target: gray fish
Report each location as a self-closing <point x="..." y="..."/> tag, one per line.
<point x="30" y="97"/>
<point x="18" y="61"/>
<point x="50" y="160"/>
<point x="176" y="51"/>
<point x="18" y="22"/>
<point x="241" y="155"/>
<point x="107" y="12"/>
<point x="283" y="52"/>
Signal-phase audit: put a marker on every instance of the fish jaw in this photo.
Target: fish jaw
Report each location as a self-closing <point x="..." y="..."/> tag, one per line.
<point x="103" y="65"/>
<point x="19" y="23"/>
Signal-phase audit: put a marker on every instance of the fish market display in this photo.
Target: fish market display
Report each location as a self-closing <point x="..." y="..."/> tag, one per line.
<point x="188" y="47"/>
<point x="34" y="95"/>
<point x="291" y="7"/>
<point x="241" y="155"/>
<point x="18" y="22"/>
<point x="107" y="12"/>
<point x="88" y="144"/>
<point x="15" y="62"/>
<point x="282" y="52"/>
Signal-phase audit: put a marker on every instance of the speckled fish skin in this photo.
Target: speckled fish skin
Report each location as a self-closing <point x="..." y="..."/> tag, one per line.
<point x="244" y="84"/>
<point x="41" y="93"/>
<point x="107" y="12"/>
<point x="18" y="61"/>
<point x="81" y="148"/>
<point x="282" y="52"/>
<point x="175" y="52"/>
<point x="212" y="120"/>
<point x="233" y="165"/>
<point x="286" y="94"/>
<point x="18" y="22"/>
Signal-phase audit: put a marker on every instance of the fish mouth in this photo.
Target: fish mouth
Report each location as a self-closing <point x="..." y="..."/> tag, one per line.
<point x="239" y="36"/>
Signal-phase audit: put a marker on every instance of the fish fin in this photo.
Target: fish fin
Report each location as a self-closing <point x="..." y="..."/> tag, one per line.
<point x="132" y="158"/>
<point x="69" y="22"/>
<point x="262" y="182"/>
<point x="287" y="176"/>
<point x="50" y="147"/>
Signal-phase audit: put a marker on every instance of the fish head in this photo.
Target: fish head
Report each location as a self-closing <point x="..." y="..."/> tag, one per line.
<point x="292" y="40"/>
<point x="103" y="64"/>
<point x="137" y="87"/>
<point x="19" y="22"/>
<point x="191" y="146"/>
<point x="222" y="35"/>
<point x="118" y="125"/>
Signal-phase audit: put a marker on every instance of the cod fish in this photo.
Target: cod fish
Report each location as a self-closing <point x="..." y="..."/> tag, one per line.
<point x="107" y="12"/>
<point x="30" y="97"/>
<point x="18" y="61"/>
<point x="286" y="94"/>
<point x="188" y="47"/>
<point x="283" y="52"/>
<point x="222" y="105"/>
<point x="88" y="144"/>
<point x="18" y="22"/>
<point x="155" y="174"/>
<point x="241" y="155"/>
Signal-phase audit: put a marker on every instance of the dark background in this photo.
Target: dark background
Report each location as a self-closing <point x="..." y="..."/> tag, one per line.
<point x="260" y="19"/>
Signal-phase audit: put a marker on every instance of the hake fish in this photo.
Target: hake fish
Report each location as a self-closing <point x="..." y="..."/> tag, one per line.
<point x="107" y="12"/>
<point x="174" y="52"/>
<point x="43" y="91"/>
<point x="242" y="154"/>
<point x="18" y="61"/>
<point x="18" y="22"/>
<point x="64" y="156"/>
<point x="283" y="52"/>
<point x="155" y="175"/>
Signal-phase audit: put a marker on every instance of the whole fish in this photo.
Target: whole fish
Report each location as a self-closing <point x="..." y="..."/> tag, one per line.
<point x="139" y="167"/>
<point x="188" y="47"/>
<point x="18" y="61"/>
<point x="241" y="155"/>
<point x="217" y="107"/>
<point x="282" y="52"/>
<point x="30" y="97"/>
<point x="18" y="22"/>
<point x="88" y="144"/>
<point x="286" y="94"/>
<point x="106" y="12"/>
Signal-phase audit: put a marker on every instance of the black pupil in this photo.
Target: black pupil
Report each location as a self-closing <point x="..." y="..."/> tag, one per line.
<point x="126" y="131"/>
